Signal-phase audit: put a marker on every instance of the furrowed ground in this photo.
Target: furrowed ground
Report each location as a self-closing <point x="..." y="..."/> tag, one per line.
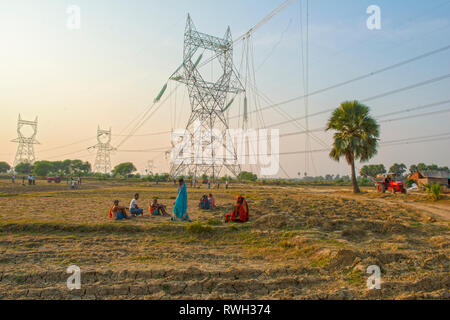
<point x="301" y="243"/>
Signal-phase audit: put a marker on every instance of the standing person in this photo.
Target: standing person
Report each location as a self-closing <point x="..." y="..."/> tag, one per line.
<point x="218" y="184"/>
<point x="226" y="184"/>
<point x="23" y="180"/>
<point x="180" y="208"/>
<point x="13" y="178"/>
<point x="30" y="181"/>
<point x="134" y="208"/>
<point x="72" y="184"/>
<point x="209" y="184"/>
<point x="79" y="180"/>
<point x="34" y="180"/>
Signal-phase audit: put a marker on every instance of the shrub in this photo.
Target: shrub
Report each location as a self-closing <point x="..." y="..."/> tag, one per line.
<point x="434" y="191"/>
<point x="213" y="222"/>
<point x="198" y="228"/>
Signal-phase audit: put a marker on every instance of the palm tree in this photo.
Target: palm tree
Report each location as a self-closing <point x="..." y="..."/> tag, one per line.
<point x="356" y="135"/>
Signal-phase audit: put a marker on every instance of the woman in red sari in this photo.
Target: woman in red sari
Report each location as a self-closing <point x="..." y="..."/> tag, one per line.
<point x="240" y="212"/>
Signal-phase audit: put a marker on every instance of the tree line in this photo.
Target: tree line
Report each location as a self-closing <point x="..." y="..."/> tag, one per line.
<point x="400" y="169"/>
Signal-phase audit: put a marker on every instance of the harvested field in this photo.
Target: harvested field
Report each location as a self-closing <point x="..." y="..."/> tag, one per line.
<point x="301" y="243"/>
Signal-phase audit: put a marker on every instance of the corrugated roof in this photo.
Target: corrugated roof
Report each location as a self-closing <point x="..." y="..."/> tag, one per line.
<point x="436" y="174"/>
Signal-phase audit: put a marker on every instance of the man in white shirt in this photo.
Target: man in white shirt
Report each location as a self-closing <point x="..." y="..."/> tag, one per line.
<point x="134" y="208"/>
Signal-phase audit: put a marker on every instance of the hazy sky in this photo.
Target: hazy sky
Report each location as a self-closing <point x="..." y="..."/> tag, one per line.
<point x="111" y="69"/>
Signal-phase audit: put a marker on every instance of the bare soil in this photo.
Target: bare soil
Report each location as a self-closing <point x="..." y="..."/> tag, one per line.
<point x="301" y="243"/>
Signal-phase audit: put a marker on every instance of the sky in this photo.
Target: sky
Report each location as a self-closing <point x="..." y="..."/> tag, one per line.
<point x="109" y="71"/>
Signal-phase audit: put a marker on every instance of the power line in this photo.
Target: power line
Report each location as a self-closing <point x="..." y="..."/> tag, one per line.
<point x="437" y="137"/>
<point x="364" y="76"/>
<point x="384" y="115"/>
<point x="417" y="115"/>
<point x="385" y="94"/>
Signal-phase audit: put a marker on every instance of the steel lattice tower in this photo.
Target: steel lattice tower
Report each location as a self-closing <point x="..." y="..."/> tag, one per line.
<point x="25" y="150"/>
<point x="207" y="99"/>
<point x="104" y="148"/>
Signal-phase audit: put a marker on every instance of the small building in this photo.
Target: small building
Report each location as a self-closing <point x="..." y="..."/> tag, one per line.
<point x="431" y="177"/>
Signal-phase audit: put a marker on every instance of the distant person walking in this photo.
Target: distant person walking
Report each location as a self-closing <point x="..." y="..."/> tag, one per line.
<point x="218" y="184"/>
<point x="134" y="208"/>
<point x="180" y="208"/>
<point x="226" y="184"/>
<point x="30" y="181"/>
<point x="13" y="179"/>
<point x="79" y="180"/>
<point x="34" y="180"/>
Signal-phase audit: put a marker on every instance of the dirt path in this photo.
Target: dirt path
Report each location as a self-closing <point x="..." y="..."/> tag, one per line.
<point x="435" y="210"/>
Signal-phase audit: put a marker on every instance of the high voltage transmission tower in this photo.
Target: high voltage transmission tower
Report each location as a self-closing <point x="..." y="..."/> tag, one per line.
<point x="208" y="101"/>
<point x="149" y="169"/>
<point x="25" y="150"/>
<point x="103" y="159"/>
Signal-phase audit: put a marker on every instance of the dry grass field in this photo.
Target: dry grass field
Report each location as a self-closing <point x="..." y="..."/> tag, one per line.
<point x="301" y="243"/>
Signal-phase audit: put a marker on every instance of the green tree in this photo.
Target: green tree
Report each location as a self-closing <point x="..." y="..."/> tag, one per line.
<point x="422" y="167"/>
<point x="4" y="167"/>
<point x="356" y="135"/>
<point x="413" y="169"/>
<point x="79" y="167"/>
<point x="24" y="168"/>
<point x="247" y="176"/>
<point x="398" y="169"/>
<point x="124" y="169"/>
<point x="43" y="168"/>
<point x="372" y="170"/>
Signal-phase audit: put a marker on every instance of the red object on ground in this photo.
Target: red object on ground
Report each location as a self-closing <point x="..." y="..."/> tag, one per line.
<point x="240" y="213"/>
<point x="388" y="183"/>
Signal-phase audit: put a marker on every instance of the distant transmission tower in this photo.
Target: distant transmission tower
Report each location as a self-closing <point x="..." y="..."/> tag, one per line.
<point x="25" y="151"/>
<point x="104" y="148"/>
<point x="208" y="99"/>
<point x="149" y="169"/>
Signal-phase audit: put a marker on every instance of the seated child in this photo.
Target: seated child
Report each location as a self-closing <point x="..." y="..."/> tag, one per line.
<point x="212" y="202"/>
<point x="204" y="203"/>
<point x="116" y="212"/>
<point x="156" y="209"/>
<point x="240" y="212"/>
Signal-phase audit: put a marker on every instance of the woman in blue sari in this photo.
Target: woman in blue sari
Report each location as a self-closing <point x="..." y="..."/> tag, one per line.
<point x="180" y="208"/>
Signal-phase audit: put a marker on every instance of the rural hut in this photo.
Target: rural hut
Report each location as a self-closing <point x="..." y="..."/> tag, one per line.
<point x="431" y="177"/>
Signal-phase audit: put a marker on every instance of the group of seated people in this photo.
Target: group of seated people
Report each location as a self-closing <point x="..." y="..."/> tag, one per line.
<point x="206" y="202"/>
<point x="240" y="212"/>
<point x="119" y="213"/>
